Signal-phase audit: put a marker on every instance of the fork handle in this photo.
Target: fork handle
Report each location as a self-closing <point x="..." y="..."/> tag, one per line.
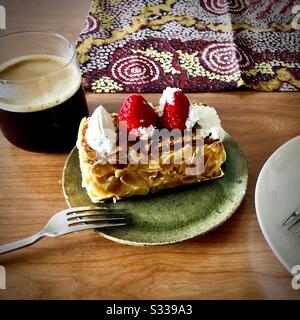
<point x="21" y="243"/>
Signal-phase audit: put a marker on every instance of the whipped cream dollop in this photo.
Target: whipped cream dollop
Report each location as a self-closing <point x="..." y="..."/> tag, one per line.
<point x="207" y="118"/>
<point x="167" y="97"/>
<point x="101" y="133"/>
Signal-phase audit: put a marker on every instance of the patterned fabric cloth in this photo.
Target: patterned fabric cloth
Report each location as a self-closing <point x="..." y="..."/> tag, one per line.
<point x="208" y="45"/>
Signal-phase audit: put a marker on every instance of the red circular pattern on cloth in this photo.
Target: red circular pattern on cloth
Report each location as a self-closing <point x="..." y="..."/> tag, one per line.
<point x="92" y="24"/>
<point x="192" y="57"/>
<point x="225" y="58"/>
<point x="221" y="7"/>
<point x="135" y="69"/>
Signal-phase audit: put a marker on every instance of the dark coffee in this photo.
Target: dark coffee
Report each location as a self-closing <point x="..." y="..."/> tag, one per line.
<point x="41" y="102"/>
<point x="53" y="129"/>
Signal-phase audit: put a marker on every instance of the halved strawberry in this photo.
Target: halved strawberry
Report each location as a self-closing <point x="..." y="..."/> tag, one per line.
<point x="136" y="113"/>
<point x="175" y="114"/>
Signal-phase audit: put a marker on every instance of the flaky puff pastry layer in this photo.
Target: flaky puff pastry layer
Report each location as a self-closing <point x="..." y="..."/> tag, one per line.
<point x="115" y="181"/>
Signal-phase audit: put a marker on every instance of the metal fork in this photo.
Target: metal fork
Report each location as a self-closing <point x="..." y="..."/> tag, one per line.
<point x="293" y="220"/>
<point x="72" y="220"/>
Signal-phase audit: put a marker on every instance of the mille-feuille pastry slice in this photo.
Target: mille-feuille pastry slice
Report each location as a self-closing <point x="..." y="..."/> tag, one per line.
<point x="144" y="149"/>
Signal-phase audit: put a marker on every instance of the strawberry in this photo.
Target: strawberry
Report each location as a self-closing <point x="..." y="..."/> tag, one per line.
<point x="136" y="113"/>
<point x="175" y="114"/>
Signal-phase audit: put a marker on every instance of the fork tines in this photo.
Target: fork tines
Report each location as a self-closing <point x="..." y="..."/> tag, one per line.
<point x="78" y="210"/>
<point x="103" y="216"/>
<point x="293" y="220"/>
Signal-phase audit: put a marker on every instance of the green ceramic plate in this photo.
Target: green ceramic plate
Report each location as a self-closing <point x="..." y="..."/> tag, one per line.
<point x="173" y="215"/>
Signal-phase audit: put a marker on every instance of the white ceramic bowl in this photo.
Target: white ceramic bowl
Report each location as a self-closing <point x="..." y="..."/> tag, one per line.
<point x="277" y="195"/>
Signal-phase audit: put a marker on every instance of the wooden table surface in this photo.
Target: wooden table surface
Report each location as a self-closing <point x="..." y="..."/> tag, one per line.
<point x="233" y="261"/>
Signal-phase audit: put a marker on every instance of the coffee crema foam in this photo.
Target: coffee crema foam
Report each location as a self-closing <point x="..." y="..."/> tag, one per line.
<point x="37" y="82"/>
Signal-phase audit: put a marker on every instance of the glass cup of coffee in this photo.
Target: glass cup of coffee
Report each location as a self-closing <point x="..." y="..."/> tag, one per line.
<point x="41" y="97"/>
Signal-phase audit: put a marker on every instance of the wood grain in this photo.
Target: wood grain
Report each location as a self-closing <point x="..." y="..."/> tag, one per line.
<point x="232" y="262"/>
